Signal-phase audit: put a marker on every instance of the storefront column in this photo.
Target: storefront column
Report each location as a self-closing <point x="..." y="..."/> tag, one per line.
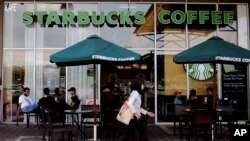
<point x="1" y="54"/>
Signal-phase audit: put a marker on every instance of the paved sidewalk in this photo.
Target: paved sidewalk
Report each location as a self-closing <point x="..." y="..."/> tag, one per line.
<point x="11" y="132"/>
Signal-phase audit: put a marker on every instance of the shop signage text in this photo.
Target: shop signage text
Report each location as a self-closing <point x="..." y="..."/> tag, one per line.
<point x="126" y="17"/>
<point x="100" y="57"/>
<point x="232" y="59"/>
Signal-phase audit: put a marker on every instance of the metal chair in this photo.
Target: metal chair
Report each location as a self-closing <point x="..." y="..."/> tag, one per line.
<point x="247" y="122"/>
<point x="28" y="115"/>
<point x="51" y="126"/>
<point x="202" y="120"/>
<point x="182" y="117"/>
<point x="87" y="119"/>
<point x="111" y="128"/>
<point x="226" y="116"/>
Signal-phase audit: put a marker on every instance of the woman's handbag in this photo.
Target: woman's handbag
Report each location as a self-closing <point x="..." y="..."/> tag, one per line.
<point x="125" y="114"/>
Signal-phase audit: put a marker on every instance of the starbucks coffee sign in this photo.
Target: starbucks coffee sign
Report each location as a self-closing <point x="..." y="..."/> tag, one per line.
<point x="126" y="17"/>
<point x="200" y="71"/>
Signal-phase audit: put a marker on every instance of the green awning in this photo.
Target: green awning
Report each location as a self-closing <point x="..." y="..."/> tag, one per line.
<point x="214" y="50"/>
<point x="93" y="50"/>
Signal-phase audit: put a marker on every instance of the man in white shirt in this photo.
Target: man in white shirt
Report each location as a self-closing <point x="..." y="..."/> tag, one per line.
<point x="26" y="104"/>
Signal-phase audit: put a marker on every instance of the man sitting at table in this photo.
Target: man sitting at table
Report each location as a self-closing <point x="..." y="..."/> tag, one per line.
<point x="47" y="102"/>
<point x="193" y="100"/>
<point x="26" y="104"/>
<point x="209" y="99"/>
<point x="75" y="102"/>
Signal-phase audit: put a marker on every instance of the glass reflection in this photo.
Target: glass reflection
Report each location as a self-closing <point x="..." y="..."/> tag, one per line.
<point x="129" y="36"/>
<point x="172" y="35"/>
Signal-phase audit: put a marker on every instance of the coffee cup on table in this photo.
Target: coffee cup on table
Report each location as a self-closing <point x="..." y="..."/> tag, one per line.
<point x="205" y="99"/>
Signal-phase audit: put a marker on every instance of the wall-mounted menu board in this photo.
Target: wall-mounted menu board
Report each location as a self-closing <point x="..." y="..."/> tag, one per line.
<point x="234" y="83"/>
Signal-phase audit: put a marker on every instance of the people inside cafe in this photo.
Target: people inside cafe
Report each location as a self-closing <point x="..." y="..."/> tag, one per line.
<point x="177" y="95"/>
<point x="193" y="100"/>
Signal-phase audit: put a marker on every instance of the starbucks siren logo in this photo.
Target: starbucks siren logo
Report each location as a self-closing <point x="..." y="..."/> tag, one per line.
<point x="200" y="71"/>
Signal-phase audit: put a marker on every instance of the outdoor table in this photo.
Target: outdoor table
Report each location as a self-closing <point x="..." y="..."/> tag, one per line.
<point x="225" y="112"/>
<point x="181" y="116"/>
<point x="187" y="110"/>
<point x="88" y="119"/>
<point x="189" y="113"/>
<point x="227" y="115"/>
<point x="75" y="115"/>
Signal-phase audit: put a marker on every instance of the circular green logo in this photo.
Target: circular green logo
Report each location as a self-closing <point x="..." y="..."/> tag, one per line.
<point x="200" y="71"/>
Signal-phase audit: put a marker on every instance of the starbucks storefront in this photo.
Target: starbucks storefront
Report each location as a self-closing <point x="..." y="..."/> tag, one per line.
<point x="34" y="30"/>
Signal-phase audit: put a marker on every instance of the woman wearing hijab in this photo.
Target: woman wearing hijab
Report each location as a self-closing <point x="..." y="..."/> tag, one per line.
<point x="134" y="103"/>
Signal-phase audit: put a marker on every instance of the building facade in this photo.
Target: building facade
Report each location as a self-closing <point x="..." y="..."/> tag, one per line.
<point x="31" y="31"/>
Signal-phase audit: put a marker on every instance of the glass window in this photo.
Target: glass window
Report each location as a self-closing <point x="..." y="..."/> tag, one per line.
<point x="129" y="35"/>
<point x="47" y="74"/>
<point x="229" y="31"/>
<point x="116" y="81"/>
<point x="234" y="76"/>
<point x="27" y="49"/>
<point x="200" y="75"/>
<point x="18" y="73"/>
<point x="243" y="22"/>
<point x="76" y="32"/>
<point x="171" y="77"/>
<point x="17" y="35"/>
<point x="81" y="77"/>
<point x="171" y="26"/>
<point x="52" y="35"/>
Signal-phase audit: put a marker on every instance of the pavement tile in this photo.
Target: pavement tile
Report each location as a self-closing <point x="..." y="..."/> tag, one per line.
<point x="11" y="132"/>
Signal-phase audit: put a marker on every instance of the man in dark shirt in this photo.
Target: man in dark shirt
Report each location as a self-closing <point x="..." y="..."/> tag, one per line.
<point x="209" y="99"/>
<point x="75" y="102"/>
<point x="193" y="100"/>
<point x="59" y="94"/>
<point x="47" y="102"/>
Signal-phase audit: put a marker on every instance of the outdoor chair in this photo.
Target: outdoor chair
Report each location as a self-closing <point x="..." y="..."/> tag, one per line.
<point x="202" y="121"/>
<point x="76" y="115"/>
<point x="182" y="117"/>
<point x="166" y="111"/>
<point x="247" y="122"/>
<point x="226" y="116"/>
<point x="111" y="128"/>
<point x="28" y="115"/>
<point x="52" y="126"/>
<point x="87" y="119"/>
